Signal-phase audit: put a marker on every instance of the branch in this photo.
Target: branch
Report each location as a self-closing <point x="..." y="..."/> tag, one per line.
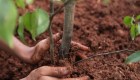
<point x="50" y="32"/>
<point x="103" y="54"/>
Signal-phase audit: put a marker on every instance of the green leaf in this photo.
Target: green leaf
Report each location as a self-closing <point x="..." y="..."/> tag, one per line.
<point x="20" y="3"/>
<point x="29" y="2"/>
<point x="8" y="15"/>
<point x="138" y="27"/>
<point x="128" y="21"/>
<point x="138" y="17"/>
<point x="42" y="21"/>
<point x="27" y="21"/>
<point x="21" y="29"/>
<point x="133" y="58"/>
<point x="36" y="22"/>
<point x="133" y="32"/>
<point x="34" y="25"/>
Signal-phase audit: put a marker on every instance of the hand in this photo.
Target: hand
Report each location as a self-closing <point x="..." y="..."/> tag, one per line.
<point x="51" y="73"/>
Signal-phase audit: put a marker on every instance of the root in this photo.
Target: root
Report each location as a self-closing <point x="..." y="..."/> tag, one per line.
<point x="103" y="54"/>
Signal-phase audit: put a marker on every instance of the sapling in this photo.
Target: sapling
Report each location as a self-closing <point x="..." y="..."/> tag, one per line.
<point x="50" y="32"/>
<point x="134" y="24"/>
<point x="35" y="21"/>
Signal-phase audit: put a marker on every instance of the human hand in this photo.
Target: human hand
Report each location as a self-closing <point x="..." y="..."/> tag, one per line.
<point x="51" y="73"/>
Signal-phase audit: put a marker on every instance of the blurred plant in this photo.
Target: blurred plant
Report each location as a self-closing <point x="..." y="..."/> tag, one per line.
<point x="36" y="21"/>
<point x="134" y="24"/>
<point x="8" y="16"/>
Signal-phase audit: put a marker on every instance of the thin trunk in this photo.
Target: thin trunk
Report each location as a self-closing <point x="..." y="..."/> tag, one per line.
<point x="68" y="27"/>
<point x="50" y="32"/>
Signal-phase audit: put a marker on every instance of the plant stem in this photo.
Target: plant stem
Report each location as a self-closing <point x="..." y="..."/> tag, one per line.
<point x="50" y="32"/>
<point x="68" y="27"/>
<point x="52" y="14"/>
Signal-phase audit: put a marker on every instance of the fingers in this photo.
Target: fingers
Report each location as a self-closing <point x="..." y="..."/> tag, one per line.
<point x="52" y="78"/>
<point x="82" y="55"/>
<point x="57" y="37"/>
<point x="80" y="46"/>
<point x="48" y="78"/>
<point x="52" y="71"/>
<point x="43" y="46"/>
<point x="80" y="78"/>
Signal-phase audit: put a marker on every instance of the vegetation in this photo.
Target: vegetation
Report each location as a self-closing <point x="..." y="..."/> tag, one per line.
<point x="36" y="21"/>
<point x="134" y="24"/>
<point x="68" y="27"/>
<point x="7" y="21"/>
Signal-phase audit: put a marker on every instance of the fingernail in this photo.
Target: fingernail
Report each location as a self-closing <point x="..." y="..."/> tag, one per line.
<point x="66" y="71"/>
<point x="88" y="78"/>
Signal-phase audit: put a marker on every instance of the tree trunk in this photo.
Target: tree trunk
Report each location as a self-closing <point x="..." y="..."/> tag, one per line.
<point x="68" y="27"/>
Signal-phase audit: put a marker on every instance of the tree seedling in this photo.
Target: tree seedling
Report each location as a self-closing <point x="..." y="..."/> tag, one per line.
<point x="68" y="27"/>
<point x="134" y="24"/>
<point x="35" y="21"/>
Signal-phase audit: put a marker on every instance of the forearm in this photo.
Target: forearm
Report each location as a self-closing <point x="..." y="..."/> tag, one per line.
<point x="19" y="49"/>
<point x="26" y="53"/>
<point x="22" y="51"/>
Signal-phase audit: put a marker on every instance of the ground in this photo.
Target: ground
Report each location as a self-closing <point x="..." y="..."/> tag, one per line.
<point x="97" y="26"/>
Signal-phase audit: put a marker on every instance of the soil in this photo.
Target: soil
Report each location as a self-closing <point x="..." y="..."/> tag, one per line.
<point x="98" y="26"/>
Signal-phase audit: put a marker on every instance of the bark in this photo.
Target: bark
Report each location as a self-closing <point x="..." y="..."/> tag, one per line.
<point x="68" y="27"/>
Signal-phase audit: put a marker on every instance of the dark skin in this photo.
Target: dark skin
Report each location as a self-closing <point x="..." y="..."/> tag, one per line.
<point x="33" y="55"/>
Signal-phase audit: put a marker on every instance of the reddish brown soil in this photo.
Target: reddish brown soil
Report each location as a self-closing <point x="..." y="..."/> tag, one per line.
<point x="98" y="26"/>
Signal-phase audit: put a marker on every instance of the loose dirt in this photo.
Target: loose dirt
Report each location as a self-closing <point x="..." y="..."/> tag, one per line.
<point x="98" y="26"/>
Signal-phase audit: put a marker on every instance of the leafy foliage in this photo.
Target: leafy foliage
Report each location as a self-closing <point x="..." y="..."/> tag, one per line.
<point x="133" y="24"/>
<point x="35" y="22"/>
<point x="29" y="2"/>
<point x="133" y="58"/>
<point x="23" y="3"/>
<point x="7" y="21"/>
<point x="20" y="30"/>
<point x="20" y="3"/>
